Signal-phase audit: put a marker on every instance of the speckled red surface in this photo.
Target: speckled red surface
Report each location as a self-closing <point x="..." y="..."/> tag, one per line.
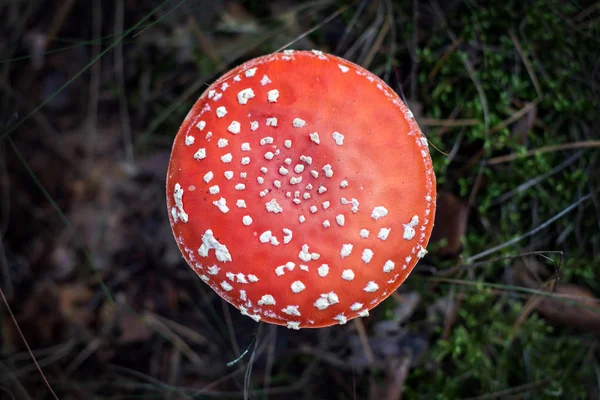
<point x="384" y="159"/>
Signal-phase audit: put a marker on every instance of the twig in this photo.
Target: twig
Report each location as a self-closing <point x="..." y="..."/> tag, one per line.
<point x="545" y="149"/>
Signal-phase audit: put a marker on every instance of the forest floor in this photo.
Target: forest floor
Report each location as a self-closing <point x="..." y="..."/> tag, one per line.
<point x="98" y="303"/>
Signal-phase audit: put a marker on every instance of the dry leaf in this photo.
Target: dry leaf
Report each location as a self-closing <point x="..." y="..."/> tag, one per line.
<point x="571" y="305"/>
<point x="73" y="299"/>
<point x="520" y="129"/>
<point x="450" y="223"/>
<point x="577" y="307"/>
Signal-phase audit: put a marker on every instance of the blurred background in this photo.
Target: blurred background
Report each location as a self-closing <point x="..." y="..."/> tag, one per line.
<point x="98" y="303"/>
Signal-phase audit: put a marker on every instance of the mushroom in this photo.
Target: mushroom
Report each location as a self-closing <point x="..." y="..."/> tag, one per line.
<point x="301" y="190"/>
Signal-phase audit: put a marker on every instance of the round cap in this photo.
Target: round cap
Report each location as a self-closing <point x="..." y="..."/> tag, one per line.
<point x="300" y="189"/>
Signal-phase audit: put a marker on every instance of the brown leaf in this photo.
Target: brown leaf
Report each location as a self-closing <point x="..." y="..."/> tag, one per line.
<point x="571" y="305"/>
<point x="577" y="307"/>
<point x="396" y="372"/>
<point x="131" y="327"/>
<point x="450" y="223"/>
<point x="73" y="299"/>
<point x="521" y="128"/>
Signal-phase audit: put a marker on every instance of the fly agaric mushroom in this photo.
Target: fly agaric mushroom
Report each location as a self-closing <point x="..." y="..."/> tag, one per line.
<point x="301" y="189"/>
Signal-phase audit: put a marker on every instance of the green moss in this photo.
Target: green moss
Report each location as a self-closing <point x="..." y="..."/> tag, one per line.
<point x="484" y="351"/>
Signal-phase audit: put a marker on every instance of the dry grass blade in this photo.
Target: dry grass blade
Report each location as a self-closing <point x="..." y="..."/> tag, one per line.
<point x="183" y="330"/>
<point x="448" y="123"/>
<point x="94" y="88"/>
<point x="119" y="70"/>
<point x="519" y="392"/>
<point x="438" y="66"/>
<point x="8" y="131"/>
<point x="545" y="149"/>
<point x="572" y="306"/>
<point x="59" y="19"/>
<point x="364" y="340"/>
<point x="528" y="308"/>
<point x="528" y="65"/>
<point x="271" y="343"/>
<point x="586" y="13"/>
<point x="5" y="272"/>
<point x="330" y="18"/>
<point x="377" y="45"/>
<point x="468" y="66"/>
<point x="536" y="180"/>
<point x="18" y="386"/>
<point x="414" y="46"/>
<point x="516" y="116"/>
<point x="174" y="338"/>
<point x="205" y="43"/>
<point x="531" y="232"/>
<point x="397" y="374"/>
<point x="33" y="358"/>
<point x="90" y="349"/>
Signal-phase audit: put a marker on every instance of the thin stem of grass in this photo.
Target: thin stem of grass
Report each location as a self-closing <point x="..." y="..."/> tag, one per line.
<point x="12" y="316"/>
<point x="531" y="232"/>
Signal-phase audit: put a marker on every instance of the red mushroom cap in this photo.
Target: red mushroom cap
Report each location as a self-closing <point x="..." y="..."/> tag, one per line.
<point x="301" y="189"/>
